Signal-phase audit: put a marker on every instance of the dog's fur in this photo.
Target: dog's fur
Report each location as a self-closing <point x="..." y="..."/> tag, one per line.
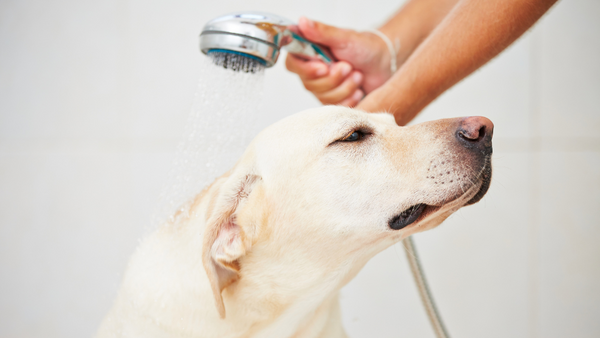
<point x="265" y="249"/>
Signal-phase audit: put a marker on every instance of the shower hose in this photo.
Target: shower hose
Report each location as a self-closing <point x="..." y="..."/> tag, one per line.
<point x="426" y="298"/>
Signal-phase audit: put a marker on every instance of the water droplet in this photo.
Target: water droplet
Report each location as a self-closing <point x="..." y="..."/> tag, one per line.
<point x="220" y="125"/>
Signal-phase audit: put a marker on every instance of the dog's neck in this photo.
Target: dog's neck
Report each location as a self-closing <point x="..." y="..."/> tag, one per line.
<point x="181" y="303"/>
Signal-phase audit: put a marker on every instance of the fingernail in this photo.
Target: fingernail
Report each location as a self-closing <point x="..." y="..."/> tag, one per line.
<point x="306" y="21"/>
<point x="322" y="70"/>
<point x="357" y="77"/>
<point x="358" y="95"/>
<point x="345" y="69"/>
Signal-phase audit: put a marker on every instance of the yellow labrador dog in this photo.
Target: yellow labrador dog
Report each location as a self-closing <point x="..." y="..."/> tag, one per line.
<point x="266" y="248"/>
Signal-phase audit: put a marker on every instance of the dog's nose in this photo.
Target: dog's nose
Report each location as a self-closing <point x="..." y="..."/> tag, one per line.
<point x="475" y="132"/>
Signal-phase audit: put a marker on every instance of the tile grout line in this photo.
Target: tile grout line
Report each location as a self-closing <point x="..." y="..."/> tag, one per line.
<point x="534" y="185"/>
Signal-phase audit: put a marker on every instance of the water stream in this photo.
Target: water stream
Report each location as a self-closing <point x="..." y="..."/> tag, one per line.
<point x="222" y="122"/>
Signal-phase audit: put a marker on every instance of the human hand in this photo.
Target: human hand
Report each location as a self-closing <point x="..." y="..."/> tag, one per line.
<point x="363" y="66"/>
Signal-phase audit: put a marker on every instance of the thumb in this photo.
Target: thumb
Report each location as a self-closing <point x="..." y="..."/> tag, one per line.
<point x="321" y="33"/>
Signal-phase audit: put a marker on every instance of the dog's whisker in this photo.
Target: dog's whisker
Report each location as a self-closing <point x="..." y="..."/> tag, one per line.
<point x="271" y="218"/>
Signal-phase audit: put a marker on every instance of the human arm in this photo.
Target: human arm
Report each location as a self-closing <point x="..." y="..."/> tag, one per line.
<point x="363" y="56"/>
<point x="473" y="33"/>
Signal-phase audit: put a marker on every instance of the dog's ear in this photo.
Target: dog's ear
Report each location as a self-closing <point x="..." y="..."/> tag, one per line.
<point x="225" y="242"/>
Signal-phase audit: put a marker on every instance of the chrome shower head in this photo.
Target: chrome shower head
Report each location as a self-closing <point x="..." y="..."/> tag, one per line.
<point x="246" y="40"/>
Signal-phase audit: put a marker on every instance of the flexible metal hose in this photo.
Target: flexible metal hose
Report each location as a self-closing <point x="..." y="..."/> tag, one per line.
<point x="426" y="298"/>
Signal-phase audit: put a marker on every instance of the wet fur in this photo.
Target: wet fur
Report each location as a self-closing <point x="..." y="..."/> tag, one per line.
<point x="265" y="249"/>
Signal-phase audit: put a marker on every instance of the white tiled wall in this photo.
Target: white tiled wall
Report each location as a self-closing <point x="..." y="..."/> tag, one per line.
<point x="94" y="96"/>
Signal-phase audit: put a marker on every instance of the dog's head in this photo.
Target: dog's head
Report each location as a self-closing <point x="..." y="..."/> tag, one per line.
<point x="319" y="193"/>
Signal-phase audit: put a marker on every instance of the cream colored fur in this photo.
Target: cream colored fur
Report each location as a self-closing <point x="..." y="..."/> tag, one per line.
<point x="266" y="248"/>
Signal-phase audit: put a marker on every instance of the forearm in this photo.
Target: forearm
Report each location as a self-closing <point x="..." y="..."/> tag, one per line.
<point x="472" y="33"/>
<point x="408" y="27"/>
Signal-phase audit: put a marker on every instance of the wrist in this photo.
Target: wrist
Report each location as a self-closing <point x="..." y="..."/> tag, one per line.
<point x="376" y="61"/>
<point x="399" y="97"/>
<point x="391" y="50"/>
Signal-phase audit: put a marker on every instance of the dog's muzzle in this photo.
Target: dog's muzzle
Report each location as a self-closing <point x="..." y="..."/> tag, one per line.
<point x="475" y="134"/>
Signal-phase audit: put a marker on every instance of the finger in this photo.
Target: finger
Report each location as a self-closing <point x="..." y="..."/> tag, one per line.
<point x="353" y="100"/>
<point x="307" y="70"/>
<point x="338" y="73"/>
<point x="318" y="32"/>
<point x="343" y="91"/>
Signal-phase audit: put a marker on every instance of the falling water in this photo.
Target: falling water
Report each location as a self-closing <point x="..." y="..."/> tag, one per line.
<point x="222" y="122"/>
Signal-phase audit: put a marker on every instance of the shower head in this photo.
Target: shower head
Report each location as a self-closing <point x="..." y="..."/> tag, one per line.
<point x="250" y="40"/>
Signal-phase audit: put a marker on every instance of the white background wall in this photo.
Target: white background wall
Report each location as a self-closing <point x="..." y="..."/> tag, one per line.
<point x="94" y="96"/>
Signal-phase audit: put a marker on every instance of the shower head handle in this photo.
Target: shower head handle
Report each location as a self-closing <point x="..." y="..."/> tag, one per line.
<point x="260" y="35"/>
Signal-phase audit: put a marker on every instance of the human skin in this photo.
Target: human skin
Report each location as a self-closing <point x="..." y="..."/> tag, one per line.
<point x="364" y="56"/>
<point x="469" y="35"/>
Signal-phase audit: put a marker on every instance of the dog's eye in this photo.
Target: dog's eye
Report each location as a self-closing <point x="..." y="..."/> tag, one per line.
<point x="354" y="136"/>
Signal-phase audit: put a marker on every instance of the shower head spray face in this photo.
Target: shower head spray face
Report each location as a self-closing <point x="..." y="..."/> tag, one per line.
<point x="236" y="61"/>
<point x="251" y="40"/>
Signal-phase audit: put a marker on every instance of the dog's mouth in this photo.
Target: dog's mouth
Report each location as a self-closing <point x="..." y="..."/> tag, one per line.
<point x="419" y="212"/>
<point x="486" y="178"/>
<point x="411" y="215"/>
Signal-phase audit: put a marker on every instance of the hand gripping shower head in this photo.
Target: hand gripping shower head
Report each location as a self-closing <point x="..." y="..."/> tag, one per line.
<point x="250" y="41"/>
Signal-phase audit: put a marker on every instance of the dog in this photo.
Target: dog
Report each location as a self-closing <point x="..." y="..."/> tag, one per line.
<point x="265" y="249"/>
